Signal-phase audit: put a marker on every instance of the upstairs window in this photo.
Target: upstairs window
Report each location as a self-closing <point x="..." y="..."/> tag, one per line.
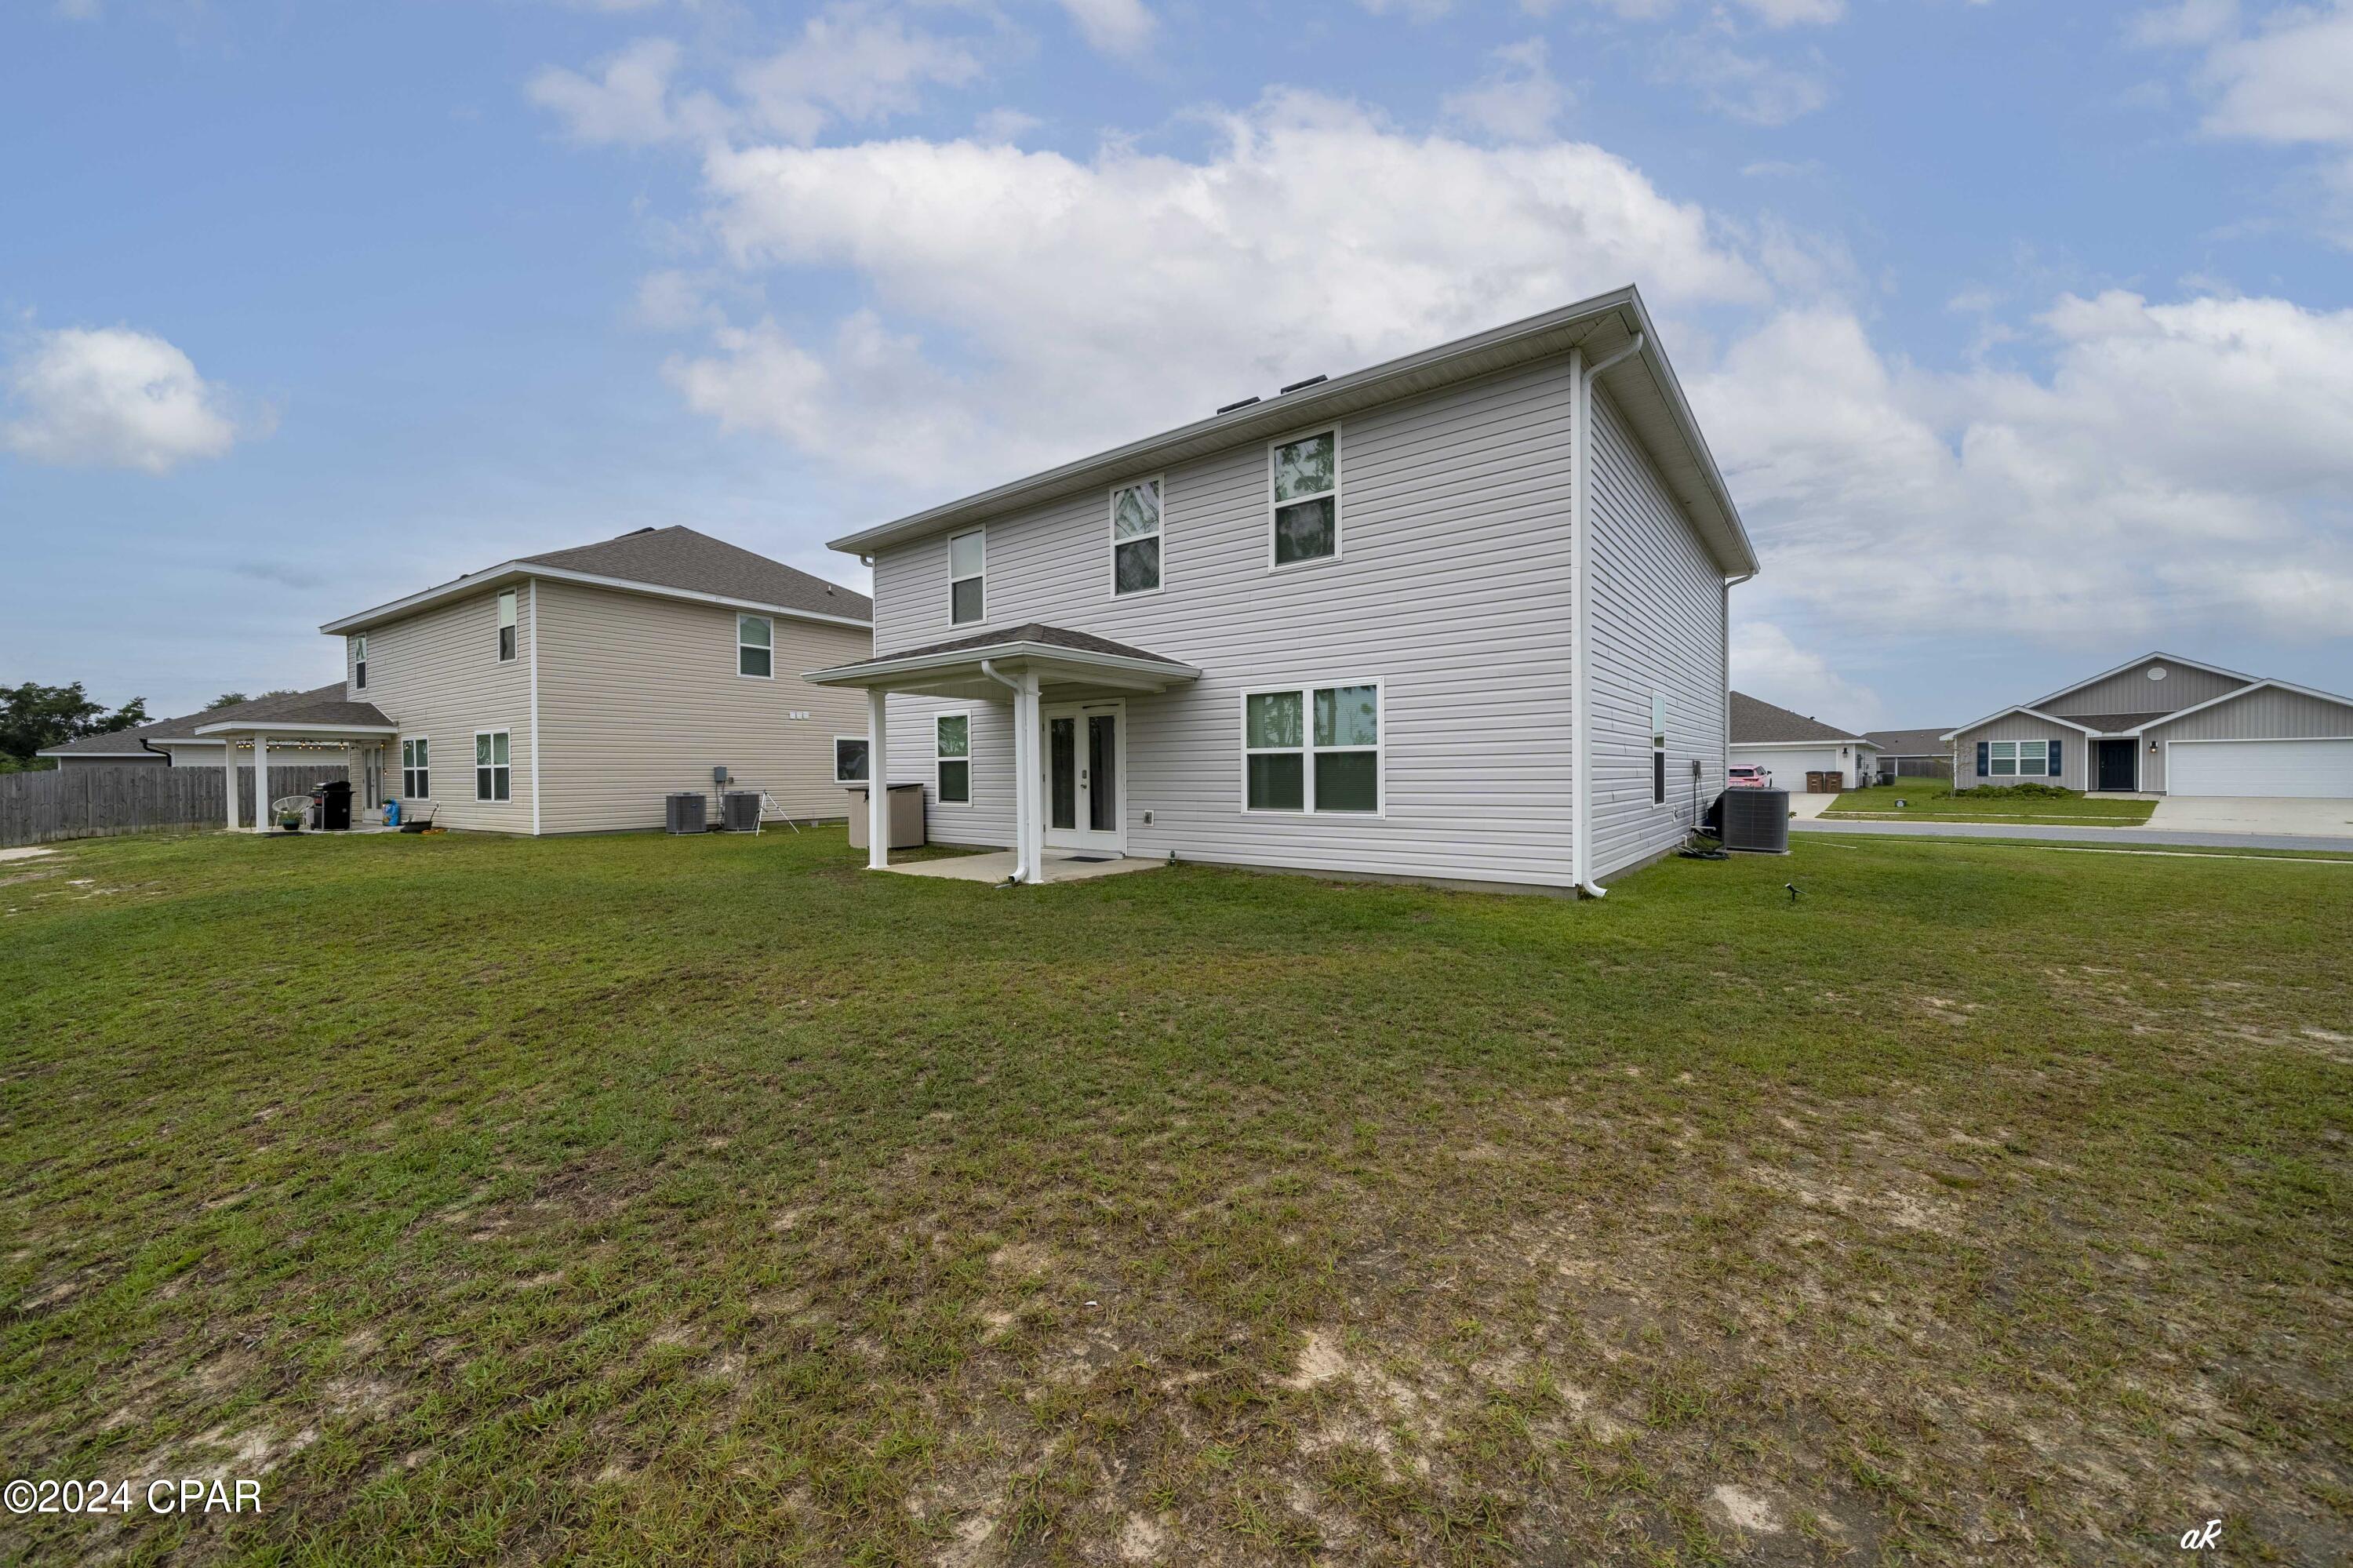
<point x="954" y="759"/>
<point x="359" y="662"/>
<point x="967" y="577"/>
<point x="1135" y="538"/>
<point x="1316" y="750"/>
<point x="415" y="776"/>
<point x="492" y="778"/>
<point x="755" y="653"/>
<point x="849" y="759"/>
<point x="506" y="625"/>
<point x="1306" y="499"/>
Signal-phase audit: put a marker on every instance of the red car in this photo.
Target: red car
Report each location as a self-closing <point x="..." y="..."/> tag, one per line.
<point x="1747" y="776"/>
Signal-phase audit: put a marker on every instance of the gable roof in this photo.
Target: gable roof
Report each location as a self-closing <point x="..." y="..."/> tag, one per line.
<point x="322" y="704"/>
<point x="2033" y="713"/>
<point x="671" y="563"/>
<point x="1644" y="385"/>
<point x="2049" y="697"/>
<point x="1907" y="742"/>
<point x="1755" y="723"/>
<point x="2159" y="719"/>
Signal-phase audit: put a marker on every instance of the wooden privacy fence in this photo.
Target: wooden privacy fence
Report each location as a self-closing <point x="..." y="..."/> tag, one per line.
<point x="94" y="802"/>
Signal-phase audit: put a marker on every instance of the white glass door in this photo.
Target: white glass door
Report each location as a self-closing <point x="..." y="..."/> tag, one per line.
<point x="1085" y="753"/>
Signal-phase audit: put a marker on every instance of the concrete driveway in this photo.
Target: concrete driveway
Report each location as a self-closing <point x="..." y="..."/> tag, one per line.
<point x="2264" y="815"/>
<point x="1806" y="808"/>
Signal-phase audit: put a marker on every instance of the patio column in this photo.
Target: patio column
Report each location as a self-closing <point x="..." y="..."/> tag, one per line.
<point x="878" y="779"/>
<point x="1029" y="793"/>
<point x="260" y="782"/>
<point x="229" y="772"/>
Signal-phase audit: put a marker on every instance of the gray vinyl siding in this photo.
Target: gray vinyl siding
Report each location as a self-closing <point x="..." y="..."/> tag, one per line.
<point x="437" y="675"/>
<point x="2132" y="692"/>
<point x="640" y="697"/>
<point x="2075" y="751"/>
<point x="1453" y="590"/>
<point x="1657" y="605"/>
<point x="2270" y="714"/>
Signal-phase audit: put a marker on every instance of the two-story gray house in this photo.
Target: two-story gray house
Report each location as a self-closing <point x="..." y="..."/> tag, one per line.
<point x="1461" y="616"/>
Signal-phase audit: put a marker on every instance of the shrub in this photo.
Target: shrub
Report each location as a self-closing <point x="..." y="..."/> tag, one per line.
<point x="2024" y="792"/>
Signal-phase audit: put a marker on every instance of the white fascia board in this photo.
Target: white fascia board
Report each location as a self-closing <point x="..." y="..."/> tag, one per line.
<point x="2218" y="702"/>
<point x="61" y="752"/>
<point x="1798" y="745"/>
<point x="2030" y="713"/>
<point x="293" y="729"/>
<point x="519" y="570"/>
<point x="2157" y="657"/>
<point x="877" y="669"/>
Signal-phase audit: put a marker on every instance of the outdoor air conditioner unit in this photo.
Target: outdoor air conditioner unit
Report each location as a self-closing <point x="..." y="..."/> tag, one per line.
<point x="739" y="810"/>
<point x="1756" y="821"/>
<point x="686" y="812"/>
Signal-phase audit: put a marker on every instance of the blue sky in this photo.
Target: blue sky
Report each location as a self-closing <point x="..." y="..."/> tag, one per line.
<point x="2024" y="332"/>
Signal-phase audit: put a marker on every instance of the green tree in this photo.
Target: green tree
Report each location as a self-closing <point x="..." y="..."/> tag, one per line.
<point x="230" y="699"/>
<point x="33" y="716"/>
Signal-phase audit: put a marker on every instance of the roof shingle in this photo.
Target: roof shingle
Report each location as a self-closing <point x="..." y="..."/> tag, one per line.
<point x="1760" y="723"/>
<point x="322" y="704"/>
<point x="680" y="558"/>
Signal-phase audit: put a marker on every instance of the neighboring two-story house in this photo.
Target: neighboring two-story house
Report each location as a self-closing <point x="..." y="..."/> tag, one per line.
<point x="570" y="691"/>
<point x="1459" y="616"/>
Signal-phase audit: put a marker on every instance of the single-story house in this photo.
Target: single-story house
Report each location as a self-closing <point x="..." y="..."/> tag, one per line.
<point x="2164" y="724"/>
<point x="1460" y="617"/>
<point x="1913" y="753"/>
<point x="189" y="741"/>
<point x="1799" y="751"/>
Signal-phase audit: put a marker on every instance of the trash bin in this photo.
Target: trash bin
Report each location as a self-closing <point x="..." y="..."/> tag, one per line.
<point x="906" y="816"/>
<point x="332" y="804"/>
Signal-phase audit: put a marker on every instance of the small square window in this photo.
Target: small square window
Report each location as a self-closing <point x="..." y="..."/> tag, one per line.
<point x="849" y="759"/>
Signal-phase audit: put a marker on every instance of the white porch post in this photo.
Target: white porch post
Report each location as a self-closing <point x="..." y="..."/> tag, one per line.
<point x="229" y="772"/>
<point x="1025" y="776"/>
<point x="1030" y="799"/>
<point x="260" y="782"/>
<point x="878" y="779"/>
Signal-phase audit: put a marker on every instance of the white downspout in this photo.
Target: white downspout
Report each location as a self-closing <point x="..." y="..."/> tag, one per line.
<point x="1724" y="741"/>
<point x="534" y="707"/>
<point x="1580" y="699"/>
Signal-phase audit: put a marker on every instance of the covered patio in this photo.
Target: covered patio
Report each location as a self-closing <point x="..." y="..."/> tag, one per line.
<point x="310" y="731"/>
<point x="1066" y="690"/>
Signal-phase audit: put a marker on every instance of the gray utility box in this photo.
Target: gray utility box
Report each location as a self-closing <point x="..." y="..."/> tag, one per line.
<point x="739" y="810"/>
<point x="1756" y="821"/>
<point x="688" y="811"/>
<point x="906" y="816"/>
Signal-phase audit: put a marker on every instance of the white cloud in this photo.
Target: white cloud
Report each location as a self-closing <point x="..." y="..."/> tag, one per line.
<point x="1415" y="10"/>
<point x="2180" y="468"/>
<point x="1004" y="124"/>
<point x="112" y="398"/>
<point x="2292" y="81"/>
<point x="851" y="64"/>
<point x="1767" y="664"/>
<point x="1518" y="101"/>
<point x="1082" y="303"/>
<point x="627" y="105"/>
<point x="1794" y="12"/>
<point x="1745" y="87"/>
<point x="2184" y="22"/>
<point x="1114" y="27"/>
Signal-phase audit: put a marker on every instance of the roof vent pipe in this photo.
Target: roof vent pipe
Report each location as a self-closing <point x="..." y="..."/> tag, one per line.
<point x="1243" y="404"/>
<point x="1297" y="385"/>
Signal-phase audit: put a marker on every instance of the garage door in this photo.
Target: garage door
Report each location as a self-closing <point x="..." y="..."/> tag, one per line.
<point x="2306" y="767"/>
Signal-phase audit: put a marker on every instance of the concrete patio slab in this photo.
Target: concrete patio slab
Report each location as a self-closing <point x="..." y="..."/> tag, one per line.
<point x="999" y="865"/>
<point x="2261" y="815"/>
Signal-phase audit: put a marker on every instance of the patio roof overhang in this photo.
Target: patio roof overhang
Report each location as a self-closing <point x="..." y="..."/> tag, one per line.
<point x="1057" y="657"/>
<point x="295" y="729"/>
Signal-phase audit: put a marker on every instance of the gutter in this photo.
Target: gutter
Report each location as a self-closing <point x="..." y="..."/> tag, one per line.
<point x="1580" y="698"/>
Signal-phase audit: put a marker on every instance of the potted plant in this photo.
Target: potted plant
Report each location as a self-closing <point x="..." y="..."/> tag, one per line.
<point x="290" y="821"/>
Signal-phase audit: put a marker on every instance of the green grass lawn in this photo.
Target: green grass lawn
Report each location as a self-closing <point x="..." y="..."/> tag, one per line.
<point x="644" y="1200"/>
<point x="1925" y="802"/>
